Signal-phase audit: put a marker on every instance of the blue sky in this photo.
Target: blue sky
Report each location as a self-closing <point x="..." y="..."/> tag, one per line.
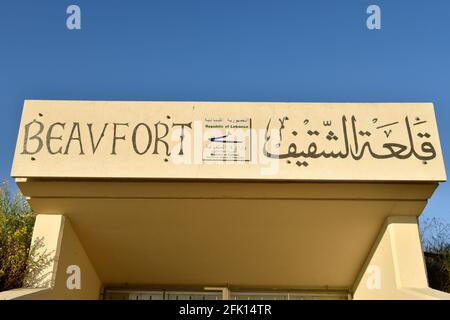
<point x="226" y="50"/>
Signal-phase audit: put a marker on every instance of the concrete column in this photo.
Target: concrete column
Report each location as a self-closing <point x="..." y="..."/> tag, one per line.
<point x="67" y="272"/>
<point x="395" y="268"/>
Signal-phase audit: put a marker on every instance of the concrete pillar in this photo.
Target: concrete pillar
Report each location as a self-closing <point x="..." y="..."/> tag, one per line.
<point x="395" y="268"/>
<point x="66" y="263"/>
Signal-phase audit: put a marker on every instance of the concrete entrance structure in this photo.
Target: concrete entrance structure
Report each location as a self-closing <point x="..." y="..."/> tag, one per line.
<point x="308" y="199"/>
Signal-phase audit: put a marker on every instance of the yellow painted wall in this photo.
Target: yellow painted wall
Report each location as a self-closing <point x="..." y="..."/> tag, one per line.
<point x="395" y="268"/>
<point x="61" y="239"/>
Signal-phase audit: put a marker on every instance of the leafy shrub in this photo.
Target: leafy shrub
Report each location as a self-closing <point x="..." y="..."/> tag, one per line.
<point x="436" y="244"/>
<point x="16" y="227"/>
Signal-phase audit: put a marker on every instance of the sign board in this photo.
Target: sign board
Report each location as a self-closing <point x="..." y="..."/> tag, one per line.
<point x="229" y="140"/>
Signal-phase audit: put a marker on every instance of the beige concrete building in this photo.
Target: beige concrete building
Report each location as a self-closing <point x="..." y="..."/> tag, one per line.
<point x="221" y="200"/>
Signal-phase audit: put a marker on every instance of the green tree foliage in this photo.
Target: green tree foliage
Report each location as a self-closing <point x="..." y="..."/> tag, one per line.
<point x="436" y="244"/>
<point x="16" y="227"/>
<point x="22" y="263"/>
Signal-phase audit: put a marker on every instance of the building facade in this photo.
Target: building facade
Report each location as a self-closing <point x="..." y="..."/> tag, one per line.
<point x="228" y="200"/>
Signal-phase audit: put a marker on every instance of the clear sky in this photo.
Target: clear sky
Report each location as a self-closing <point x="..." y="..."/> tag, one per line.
<point x="227" y="50"/>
